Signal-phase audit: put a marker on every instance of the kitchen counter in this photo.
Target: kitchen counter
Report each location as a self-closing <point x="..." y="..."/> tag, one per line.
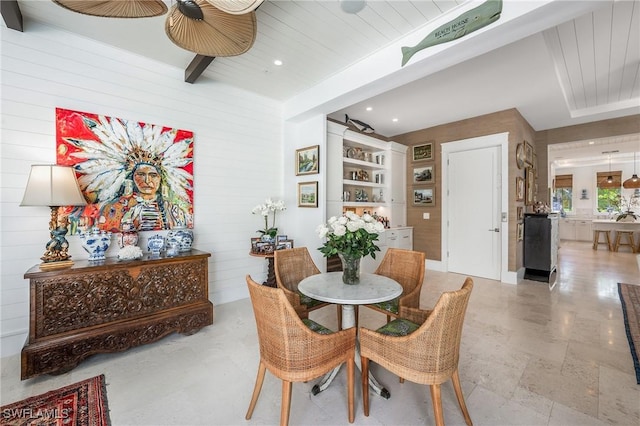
<point x="611" y="224"/>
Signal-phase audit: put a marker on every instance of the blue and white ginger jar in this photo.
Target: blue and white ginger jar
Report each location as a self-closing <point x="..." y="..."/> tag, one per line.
<point x="182" y="236"/>
<point x="96" y="243"/>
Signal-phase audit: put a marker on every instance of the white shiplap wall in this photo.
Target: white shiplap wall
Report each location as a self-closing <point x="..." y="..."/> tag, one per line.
<point x="237" y="152"/>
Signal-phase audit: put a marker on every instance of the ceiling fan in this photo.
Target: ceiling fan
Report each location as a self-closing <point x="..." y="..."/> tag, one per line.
<point x="207" y="27"/>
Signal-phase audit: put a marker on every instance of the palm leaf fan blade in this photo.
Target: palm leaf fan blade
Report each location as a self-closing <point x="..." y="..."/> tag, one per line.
<point x="116" y="8"/>
<point x="217" y="34"/>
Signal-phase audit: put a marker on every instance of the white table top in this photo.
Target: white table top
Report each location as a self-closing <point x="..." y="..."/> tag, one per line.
<point x="329" y="287"/>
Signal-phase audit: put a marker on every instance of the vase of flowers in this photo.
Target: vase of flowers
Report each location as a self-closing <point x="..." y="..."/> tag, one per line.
<point x="625" y="205"/>
<point x="351" y="237"/>
<point x="269" y="208"/>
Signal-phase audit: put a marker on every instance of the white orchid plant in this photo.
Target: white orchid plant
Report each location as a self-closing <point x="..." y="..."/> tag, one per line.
<point x="351" y="235"/>
<point x="269" y="208"/>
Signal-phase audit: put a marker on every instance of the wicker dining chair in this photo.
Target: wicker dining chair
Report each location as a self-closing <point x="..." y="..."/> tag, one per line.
<point x="407" y="268"/>
<point x="295" y="349"/>
<point x="422" y="347"/>
<point x="292" y="266"/>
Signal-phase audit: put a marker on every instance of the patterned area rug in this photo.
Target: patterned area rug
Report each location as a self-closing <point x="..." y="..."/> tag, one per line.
<point x="630" y="300"/>
<point x="80" y="404"/>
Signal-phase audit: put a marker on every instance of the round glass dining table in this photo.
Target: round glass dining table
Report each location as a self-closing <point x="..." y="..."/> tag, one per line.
<point x="329" y="287"/>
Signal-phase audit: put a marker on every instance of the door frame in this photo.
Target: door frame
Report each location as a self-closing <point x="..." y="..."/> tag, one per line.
<point x="500" y="140"/>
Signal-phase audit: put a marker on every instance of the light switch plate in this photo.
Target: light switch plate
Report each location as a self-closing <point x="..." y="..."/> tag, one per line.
<point x="425" y="215"/>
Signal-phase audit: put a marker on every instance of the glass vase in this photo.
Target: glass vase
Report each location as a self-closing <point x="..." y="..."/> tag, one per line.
<point x="350" y="268"/>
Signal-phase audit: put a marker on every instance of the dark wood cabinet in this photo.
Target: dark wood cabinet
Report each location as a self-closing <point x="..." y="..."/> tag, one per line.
<point x="541" y="247"/>
<point x="112" y="306"/>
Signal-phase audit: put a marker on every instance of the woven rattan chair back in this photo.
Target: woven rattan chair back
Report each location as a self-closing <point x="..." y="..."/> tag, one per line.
<point x="428" y="355"/>
<point x="291" y="351"/>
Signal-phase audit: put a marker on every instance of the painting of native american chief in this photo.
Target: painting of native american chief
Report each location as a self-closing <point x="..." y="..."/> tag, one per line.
<point x="128" y="171"/>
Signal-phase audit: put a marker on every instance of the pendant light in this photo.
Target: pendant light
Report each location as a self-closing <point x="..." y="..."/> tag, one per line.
<point x="609" y="181"/>
<point x="610" y="177"/>
<point x="633" y="181"/>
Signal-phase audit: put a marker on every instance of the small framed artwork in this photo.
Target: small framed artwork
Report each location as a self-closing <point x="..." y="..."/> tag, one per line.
<point x="529" y="182"/>
<point x="281" y="238"/>
<point x="520" y="214"/>
<point x="519" y="189"/>
<point x="520" y="232"/>
<point x="308" y="194"/>
<point x="423" y="152"/>
<point x="307" y="160"/>
<point x="528" y="153"/>
<point x="284" y="244"/>
<point x="424" y="174"/>
<point x="425" y="197"/>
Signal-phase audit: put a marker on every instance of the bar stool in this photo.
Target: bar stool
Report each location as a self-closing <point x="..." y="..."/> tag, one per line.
<point x="629" y="237"/>
<point x="596" y="238"/>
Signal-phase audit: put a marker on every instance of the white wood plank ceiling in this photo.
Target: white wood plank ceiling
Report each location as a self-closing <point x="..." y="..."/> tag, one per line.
<point x="597" y="58"/>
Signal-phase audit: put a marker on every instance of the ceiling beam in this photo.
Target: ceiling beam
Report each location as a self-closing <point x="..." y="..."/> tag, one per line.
<point x="197" y="67"/>
<point x="11" y="14"/>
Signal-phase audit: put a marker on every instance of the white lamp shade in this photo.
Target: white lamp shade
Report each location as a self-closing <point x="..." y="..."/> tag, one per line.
<point x="52" y="185"/>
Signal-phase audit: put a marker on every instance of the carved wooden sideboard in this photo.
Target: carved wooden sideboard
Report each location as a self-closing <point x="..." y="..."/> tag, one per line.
<point x="112" y="306"/>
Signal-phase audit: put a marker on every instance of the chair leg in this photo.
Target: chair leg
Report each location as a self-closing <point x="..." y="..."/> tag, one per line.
<point x="351" y="363"/>
<point x="455" y="378"/>
<point x="364" y="363"/>
<point x="256" y="389"/>
<point x="437" y="404"/>
<point x="286" y="403"/>
<point x="355" y="312"/>
<point x="339" y="310"/>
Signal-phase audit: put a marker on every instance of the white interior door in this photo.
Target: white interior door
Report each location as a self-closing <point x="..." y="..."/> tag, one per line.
<point x="474" y="201"/>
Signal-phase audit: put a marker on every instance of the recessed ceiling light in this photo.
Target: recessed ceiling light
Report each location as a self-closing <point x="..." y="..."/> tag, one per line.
<point x="369" y="108"/>
<point x="277" y="62"/>
<point x="395" y="120"/>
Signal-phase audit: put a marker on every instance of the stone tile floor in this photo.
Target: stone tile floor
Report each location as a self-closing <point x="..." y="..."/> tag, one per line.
<point x="529" y="356"/>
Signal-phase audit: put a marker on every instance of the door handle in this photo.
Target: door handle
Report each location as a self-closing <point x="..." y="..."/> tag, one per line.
<point x="494" y="230"/>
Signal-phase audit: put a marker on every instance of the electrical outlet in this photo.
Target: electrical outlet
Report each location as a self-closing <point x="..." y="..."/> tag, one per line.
<point x="425" y="215"/>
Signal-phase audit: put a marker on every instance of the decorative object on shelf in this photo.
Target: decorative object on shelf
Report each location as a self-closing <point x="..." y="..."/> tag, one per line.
<point x="361" y="126"/>
<point x="96" y="243"/>
<point x="353" y="237"/>
<point x="130" y="253"/>
<point x="155" y="245"/>
<point x="128" y="235"/>
<point x="520" y="156"/>
<point x="308" y="160"/>
<point x="308" y="194"/>
<point x="541" y="207"/>
<point x="182" y="236"/>
<point x="424" y="197"/>
<point x="464" y="24"/>
<point x="173" y="248"/>
<point x="346" y="195"/>
<point x="625" y="204"/>
<point x="424" y="174"/>
<point x="54" y="186"/>
<point x="361" y="195"/>
<point x="269" y="208"/>
<point x="127" y="170"/>
<point x="423" y="152"/>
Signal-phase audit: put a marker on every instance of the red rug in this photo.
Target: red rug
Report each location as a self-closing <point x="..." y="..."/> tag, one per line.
<point x="630" y="301"/>
<point x="80" y="404"/>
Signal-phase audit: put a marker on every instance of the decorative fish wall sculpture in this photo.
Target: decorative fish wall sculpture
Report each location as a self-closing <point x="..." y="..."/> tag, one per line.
<point x="464" y="24"/>
<point x="360" y="125"/>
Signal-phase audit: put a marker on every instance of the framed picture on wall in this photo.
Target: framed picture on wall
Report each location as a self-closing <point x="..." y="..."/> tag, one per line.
<point x="425" y="197"/>
<point x="529" y="182"/>
<point x="423" y="152"/>
<point x="520" y="213"/>
<point x="307" y="160"/>
<point x="308" y="194"/>
<point x="519" y="189"/>
<point x="425" y="174"/>
<point x="520" y="232"/>
<point x="528" y="153"/>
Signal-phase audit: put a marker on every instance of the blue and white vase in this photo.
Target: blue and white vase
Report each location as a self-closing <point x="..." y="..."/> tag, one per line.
<point x="182" y="236"/>
<point x="155" y="244"/>
<point x="96" y="243"/>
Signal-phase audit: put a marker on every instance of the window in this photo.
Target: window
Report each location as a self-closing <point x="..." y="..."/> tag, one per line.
<point x="608" y="192"/>
<point x="563" y="197"/>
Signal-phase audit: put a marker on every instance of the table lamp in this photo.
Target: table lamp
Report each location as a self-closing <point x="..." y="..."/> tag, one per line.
<point x="54" y="186"/>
